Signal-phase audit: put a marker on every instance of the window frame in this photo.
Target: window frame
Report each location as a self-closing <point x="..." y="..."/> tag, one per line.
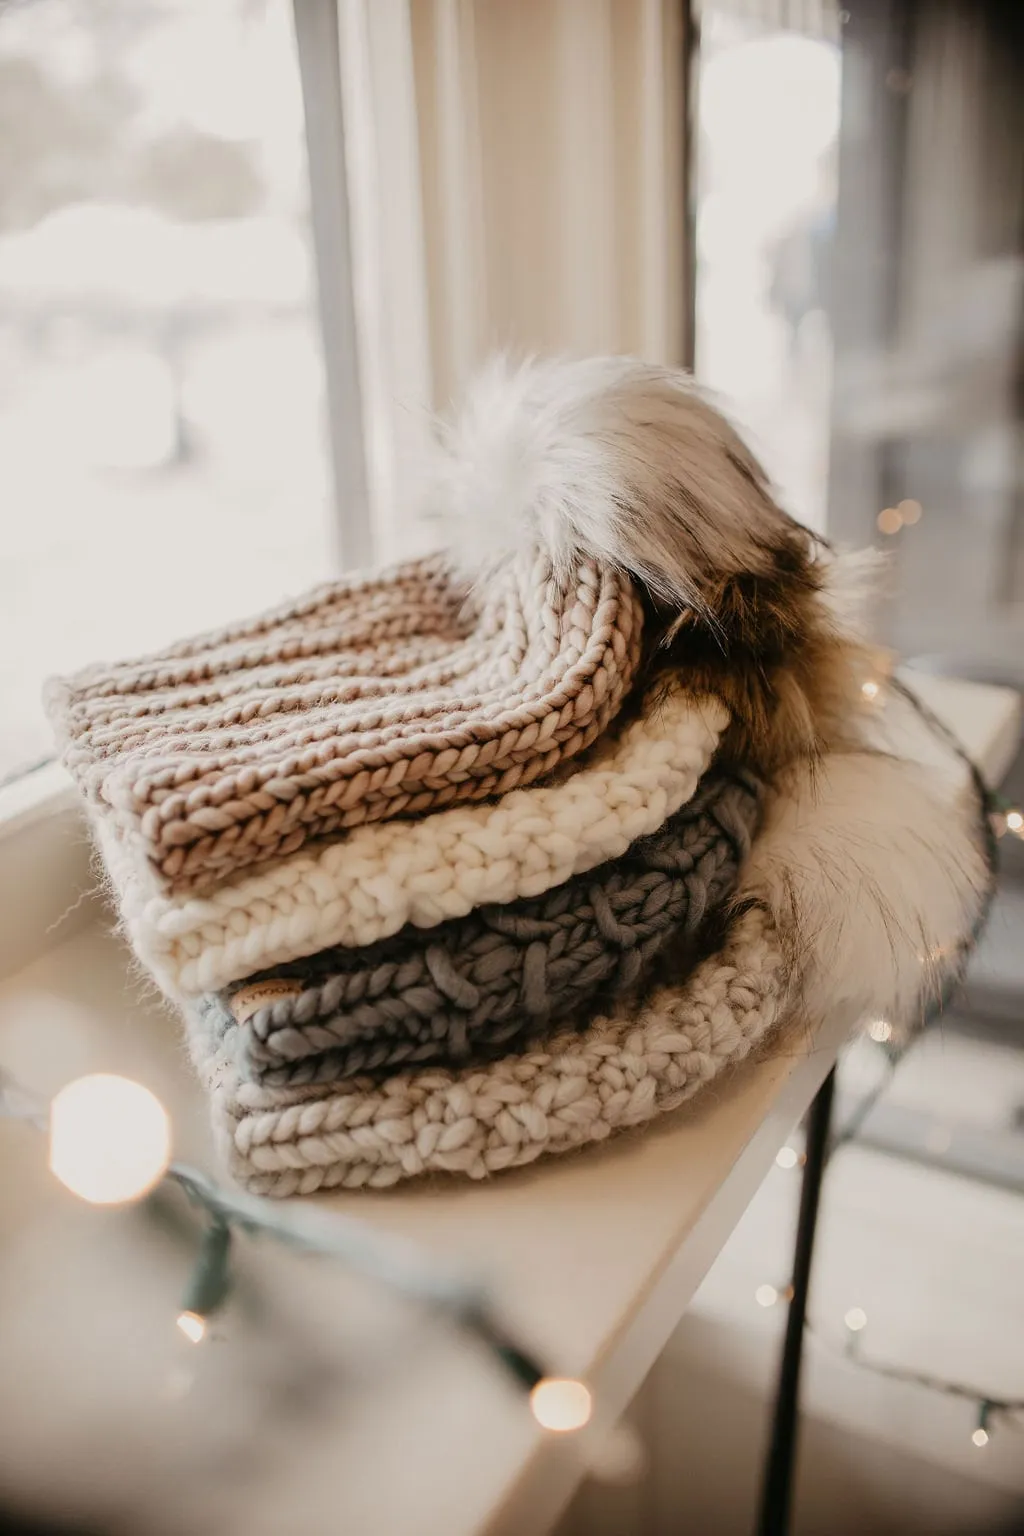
<point x="318" y="45"/>
<point x="44" y="849"/>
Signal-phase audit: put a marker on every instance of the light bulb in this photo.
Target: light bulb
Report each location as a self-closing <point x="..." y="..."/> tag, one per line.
<point x="880" y="1030"/>
<point x="787" y="1157"/>
<point x="890" y="520"/>
<point x="1015" y="822"/>
<point x="980" y="1437"/>
<point x="766" y="1295"/>
<point x="192" y="1326"/>
<point x="870" y="690"/>
<point x="856" y="1319"/>
<point x="110" y="1138"/>
<point x="561" y="1404"/>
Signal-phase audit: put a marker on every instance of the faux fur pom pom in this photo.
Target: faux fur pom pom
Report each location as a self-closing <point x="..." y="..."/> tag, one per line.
<point x="619" y="460"/>
<point x="875" y="871"/>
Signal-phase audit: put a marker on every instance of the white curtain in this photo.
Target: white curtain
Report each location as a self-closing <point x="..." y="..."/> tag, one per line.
<point x="515" y="179"/>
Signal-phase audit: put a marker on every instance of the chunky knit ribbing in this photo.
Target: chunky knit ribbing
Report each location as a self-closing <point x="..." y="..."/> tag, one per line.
<point x="387" y="874"/>
<point x="487" y="983"/>
<point x="371" y="698"/>
<point x="623" y="1071"/>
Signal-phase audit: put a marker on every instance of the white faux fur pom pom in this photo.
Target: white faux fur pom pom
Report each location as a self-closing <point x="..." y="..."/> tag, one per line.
<point x="877" y="875"/>
<point x="608" y="457"/>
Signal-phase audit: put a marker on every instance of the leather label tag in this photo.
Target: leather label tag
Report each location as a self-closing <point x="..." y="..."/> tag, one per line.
<point x="249" y="1000"/>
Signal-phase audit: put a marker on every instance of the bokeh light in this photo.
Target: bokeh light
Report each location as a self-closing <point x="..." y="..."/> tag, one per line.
<point x="110" y="1138"/>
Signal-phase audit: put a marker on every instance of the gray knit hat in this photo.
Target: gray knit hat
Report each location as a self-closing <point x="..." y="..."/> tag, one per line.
<point x="486" y="984"/>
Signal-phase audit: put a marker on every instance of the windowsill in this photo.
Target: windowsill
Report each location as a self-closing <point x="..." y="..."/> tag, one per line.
<point x="46" y="872"/>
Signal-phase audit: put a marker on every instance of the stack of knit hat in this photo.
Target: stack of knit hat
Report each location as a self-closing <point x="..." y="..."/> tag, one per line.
<point x="492" y="854"/>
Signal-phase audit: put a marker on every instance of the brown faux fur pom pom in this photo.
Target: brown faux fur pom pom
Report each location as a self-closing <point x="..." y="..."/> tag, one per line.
<point x="618" y="459"/>
<point x="775" y="649"/>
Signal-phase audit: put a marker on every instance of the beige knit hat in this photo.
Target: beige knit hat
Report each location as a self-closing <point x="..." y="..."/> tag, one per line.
<point x="373" y="697"/>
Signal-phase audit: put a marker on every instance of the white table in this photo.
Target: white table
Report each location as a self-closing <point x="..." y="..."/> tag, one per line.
<point x="594" y="1258"/>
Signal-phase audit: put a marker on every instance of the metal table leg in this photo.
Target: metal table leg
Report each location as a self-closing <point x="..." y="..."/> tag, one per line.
<point x="777" y="1486"/>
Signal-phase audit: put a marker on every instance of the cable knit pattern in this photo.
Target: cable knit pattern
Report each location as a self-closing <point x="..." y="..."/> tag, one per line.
<point x="626" y="1069"/>
<point x="374" y="697"/>
<point x="481" y="985"/>
<point x="387" y="874"/>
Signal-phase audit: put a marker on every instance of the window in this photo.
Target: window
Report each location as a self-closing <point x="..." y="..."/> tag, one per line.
<point x="163" y="461"/>
<point x="767" y="149"/>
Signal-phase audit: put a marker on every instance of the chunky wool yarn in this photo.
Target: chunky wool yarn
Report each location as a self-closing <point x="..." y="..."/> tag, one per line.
<point x="374" y="697"/>
<point x="387" y="874"/>
<point x="860" y="893"/>
<point x="486" y="984"/>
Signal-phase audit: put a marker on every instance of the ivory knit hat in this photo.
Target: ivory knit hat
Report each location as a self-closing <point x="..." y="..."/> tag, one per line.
<point x="485" y="984"/>
<point x="860" y="894"/>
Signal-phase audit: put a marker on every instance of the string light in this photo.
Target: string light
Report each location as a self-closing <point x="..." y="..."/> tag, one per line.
<point x="210" y="1285"/>
<point x="905" y="514"/>
<point x="192" y="1326"/>
<point x="1007" y="819"/>
<point x="988" y="1407"/>
<point x="110" y="1139"/>
<point x="766" y="1295"/>
<point x="561" y="1404"/>
<point x="788" y="1157"/>
<point x="870" y="690"/>
<point x="855" y="1320"/>
<point x="880" y="1031"/>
